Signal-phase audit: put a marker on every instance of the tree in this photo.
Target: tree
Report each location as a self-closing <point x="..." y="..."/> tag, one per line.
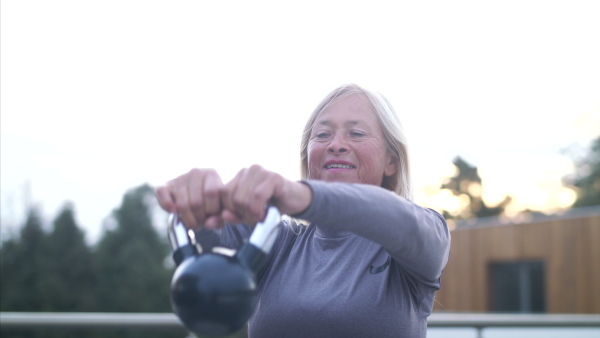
<point x="69" y="266"/>
<point x="12" y="273"/>
<point x="9" y="279"/>
<point x="56" y="271"/>
<point x="467" y="185"/>
<point x="586" y="179"/>
<point x="131" y="259"/>
<point x="22" y="263"/>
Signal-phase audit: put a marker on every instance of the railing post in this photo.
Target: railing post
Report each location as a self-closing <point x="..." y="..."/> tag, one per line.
<point x="479" y="331"/>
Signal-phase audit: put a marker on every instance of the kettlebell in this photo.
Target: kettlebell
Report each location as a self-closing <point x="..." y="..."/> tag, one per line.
<point x="214" y="293"/>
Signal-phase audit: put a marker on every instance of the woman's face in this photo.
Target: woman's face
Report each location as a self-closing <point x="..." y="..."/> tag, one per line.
<point x="347" y="144"/>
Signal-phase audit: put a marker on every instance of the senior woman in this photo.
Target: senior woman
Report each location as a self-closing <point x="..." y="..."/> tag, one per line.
<point x="369" y="261"/>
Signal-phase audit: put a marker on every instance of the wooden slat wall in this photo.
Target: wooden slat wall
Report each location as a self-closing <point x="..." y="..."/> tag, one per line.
<point x="570" y="249"/>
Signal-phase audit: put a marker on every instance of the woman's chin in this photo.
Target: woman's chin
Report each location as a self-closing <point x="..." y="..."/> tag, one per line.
<point x="340" y="178"/>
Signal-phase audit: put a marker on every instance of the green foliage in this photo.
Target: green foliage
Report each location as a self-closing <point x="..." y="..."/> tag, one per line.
<point x="586" y="179"/>
<point x="466" y="183"/>
<point x="58" y="272"/>
<point x="131" y="259"/>
<point x="24" y="268"/>
<point x="22" y="262"/>
<point x="71" y="274"/>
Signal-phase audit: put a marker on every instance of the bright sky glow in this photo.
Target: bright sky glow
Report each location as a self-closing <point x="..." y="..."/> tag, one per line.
<point x="100" y="96"/>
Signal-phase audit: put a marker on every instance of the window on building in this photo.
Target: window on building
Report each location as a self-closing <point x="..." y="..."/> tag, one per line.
<point x="517" y="286"/>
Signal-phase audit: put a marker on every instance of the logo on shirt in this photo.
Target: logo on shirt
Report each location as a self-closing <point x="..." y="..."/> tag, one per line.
<point x="378" y="269"/>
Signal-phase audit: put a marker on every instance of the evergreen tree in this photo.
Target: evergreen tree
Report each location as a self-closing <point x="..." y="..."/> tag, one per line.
<point x="9" y="267"/>
<point x="23" y="273"/>
<point x="70" y="270"/>
<point x="130" y="258"/>
<point x="41" y="272"/>
<point x="23" y="266"/>
<point x="586" y="179"/>
<point x="467" y="184"/>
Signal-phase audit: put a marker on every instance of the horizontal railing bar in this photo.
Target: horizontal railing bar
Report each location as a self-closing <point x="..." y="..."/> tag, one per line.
<point x="169" y="320"/>
<point x="512" y="320"/>
<point x="89" y="319"/>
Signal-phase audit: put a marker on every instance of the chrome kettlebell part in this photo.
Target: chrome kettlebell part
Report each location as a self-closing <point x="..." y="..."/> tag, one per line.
<point x="178" y="233"/>
<point x="181" y="243"/>
<point x="265" y="232"/>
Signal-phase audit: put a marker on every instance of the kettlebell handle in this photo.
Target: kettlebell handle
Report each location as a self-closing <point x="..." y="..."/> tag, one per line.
<point x="182" y="241"/>
<point x="265" y="232"/>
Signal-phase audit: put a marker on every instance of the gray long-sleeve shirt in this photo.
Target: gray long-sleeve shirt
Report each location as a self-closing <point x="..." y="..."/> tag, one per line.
<point x="368" y="265"/>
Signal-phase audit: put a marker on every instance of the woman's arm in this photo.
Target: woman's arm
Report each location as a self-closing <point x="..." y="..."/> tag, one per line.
<point x="416" y="237"/>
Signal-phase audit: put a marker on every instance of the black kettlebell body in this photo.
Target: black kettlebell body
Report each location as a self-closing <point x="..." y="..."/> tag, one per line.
<point x="217" y="301"/>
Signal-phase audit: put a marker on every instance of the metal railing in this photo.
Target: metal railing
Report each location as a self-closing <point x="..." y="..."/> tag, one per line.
<point x="88" y="320"/>
<point x="95" y="320"/>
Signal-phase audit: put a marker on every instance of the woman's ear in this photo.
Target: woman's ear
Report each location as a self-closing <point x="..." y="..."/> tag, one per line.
<point x="391" y="167"/>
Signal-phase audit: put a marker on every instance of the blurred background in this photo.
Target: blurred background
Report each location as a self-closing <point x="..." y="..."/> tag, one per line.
<point x="103" y="100"/>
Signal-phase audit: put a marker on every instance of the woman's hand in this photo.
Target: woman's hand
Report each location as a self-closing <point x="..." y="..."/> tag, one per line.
<point x="246" y="197"/>
<point x="194" y="197"/>
<point x="201" y="199"/>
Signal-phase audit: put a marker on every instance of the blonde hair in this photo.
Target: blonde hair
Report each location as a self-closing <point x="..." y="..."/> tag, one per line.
<point x="391" y="127"/>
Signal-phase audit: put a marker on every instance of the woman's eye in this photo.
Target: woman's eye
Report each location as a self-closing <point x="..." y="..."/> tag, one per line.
<point x="322" y="135"/>
<point x="356" y="134"/>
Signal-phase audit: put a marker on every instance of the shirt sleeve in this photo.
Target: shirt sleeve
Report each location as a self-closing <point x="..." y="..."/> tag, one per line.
<point x="417" y="238"/>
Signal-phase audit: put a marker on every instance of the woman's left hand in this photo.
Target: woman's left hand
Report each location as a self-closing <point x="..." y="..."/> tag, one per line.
<point x="246" y="196"/>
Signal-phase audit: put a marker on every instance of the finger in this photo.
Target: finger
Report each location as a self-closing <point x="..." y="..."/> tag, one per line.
<point x="194" y="186"/>
<point x="242" y="195"/>
<point x="182" y="206"/>
<point x="262" y="190"/>
<point x="212" y="199"/>
<point x="164" y="198"/>
<point x="262" y="194"/>
<point x="228" y="191"/>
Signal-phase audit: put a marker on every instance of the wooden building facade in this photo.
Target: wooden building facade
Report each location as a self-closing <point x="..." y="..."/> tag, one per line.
<point x="550" y="265"/>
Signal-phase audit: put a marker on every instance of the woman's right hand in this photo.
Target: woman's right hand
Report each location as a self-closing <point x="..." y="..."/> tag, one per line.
<point x="194" y="196"/>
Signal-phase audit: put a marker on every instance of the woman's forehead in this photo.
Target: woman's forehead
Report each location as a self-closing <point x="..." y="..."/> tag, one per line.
<point x="346" y="123"/>
<point x="351" y="109"/>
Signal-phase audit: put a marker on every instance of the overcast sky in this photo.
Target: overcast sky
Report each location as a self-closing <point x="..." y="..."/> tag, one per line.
<point x="98" y="97"/>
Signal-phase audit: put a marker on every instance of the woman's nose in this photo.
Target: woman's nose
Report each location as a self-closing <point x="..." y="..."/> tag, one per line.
<point x="337" y="145"/>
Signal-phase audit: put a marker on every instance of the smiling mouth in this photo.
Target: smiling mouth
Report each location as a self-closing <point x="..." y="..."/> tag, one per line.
<point x="340" y="166"/>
